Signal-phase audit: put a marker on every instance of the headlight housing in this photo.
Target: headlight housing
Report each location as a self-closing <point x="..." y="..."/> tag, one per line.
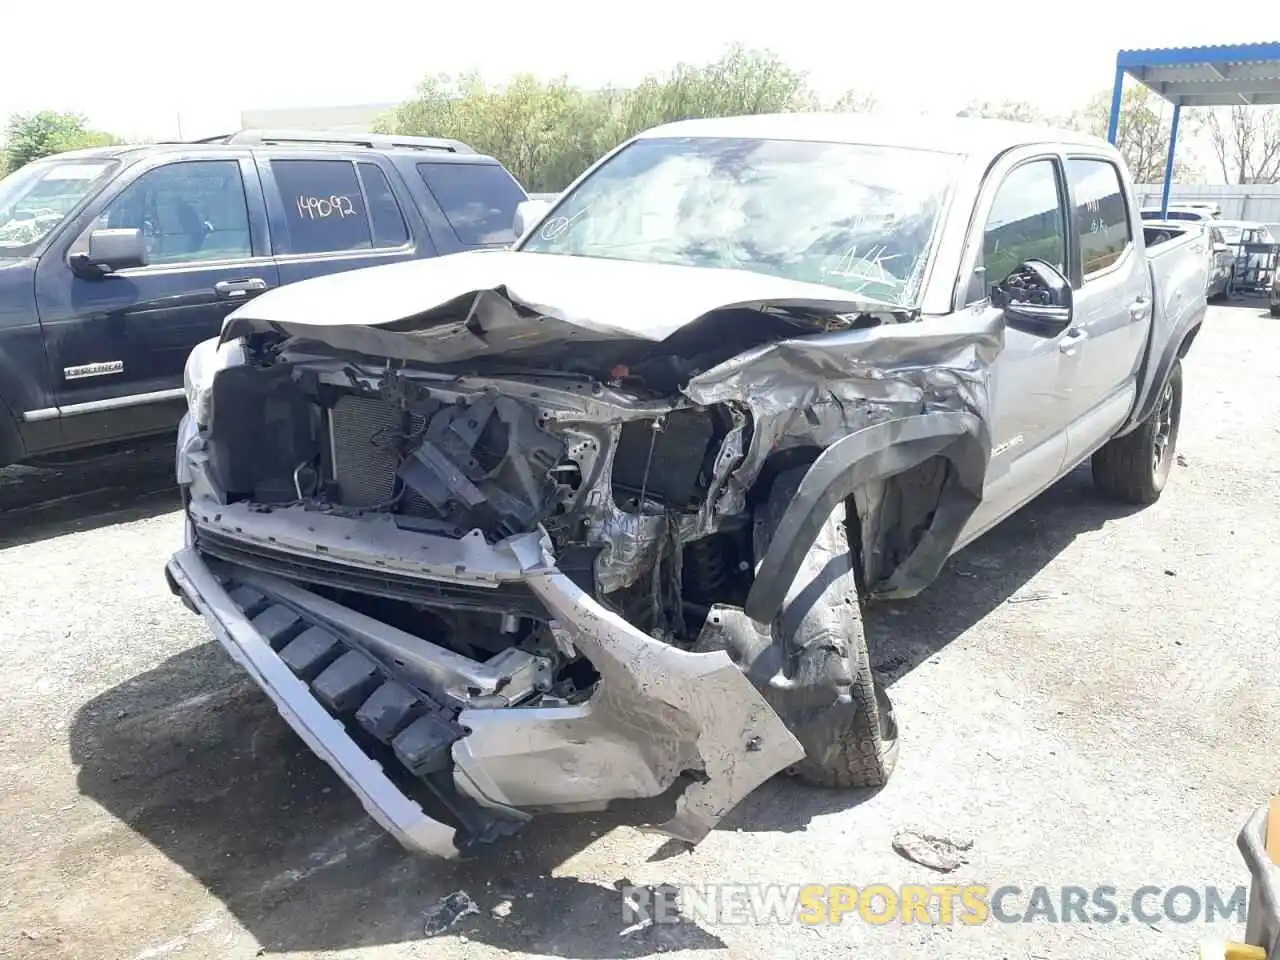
<point x="204" y="363"/>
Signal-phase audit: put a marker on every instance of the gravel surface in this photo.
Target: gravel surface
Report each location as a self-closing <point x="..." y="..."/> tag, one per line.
<point x="1088" y="694"/>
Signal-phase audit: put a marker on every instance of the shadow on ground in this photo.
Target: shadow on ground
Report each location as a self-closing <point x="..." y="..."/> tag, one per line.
<point x="131" y="482"/>
<point x="194" y="758"/>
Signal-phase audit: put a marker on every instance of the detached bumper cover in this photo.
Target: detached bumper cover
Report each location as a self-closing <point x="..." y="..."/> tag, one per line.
<point x="396" y="813"/>
<point x="657" y="714"/>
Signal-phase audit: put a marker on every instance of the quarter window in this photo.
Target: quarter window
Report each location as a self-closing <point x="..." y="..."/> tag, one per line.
<point x="1026" y="222"/>
<point x="189" y="212"/>
<point x="1101" y="215"/>
<point x="324" y="208"/>
<point x="478" y="199"/>
<point x="384" y="212"/>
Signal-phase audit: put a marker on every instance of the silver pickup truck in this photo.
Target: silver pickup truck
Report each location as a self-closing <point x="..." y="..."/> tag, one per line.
<point x="593" y="519"/>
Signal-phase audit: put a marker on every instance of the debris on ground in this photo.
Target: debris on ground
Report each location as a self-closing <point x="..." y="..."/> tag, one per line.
<point x="937" y="853"/>
<point x="1029" y="597"/>
<point x="501" y="910"/>
<point x="447" y="911"/>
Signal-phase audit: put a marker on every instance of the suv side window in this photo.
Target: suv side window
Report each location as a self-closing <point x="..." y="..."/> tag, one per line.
<point x="324" y="207"/>
<point x="384" y="212"/>
<point x="1101" y="215"/>
<point x="189" y="211"/>
<point x="478" y="199"/>
<point x="1027" y="221"/>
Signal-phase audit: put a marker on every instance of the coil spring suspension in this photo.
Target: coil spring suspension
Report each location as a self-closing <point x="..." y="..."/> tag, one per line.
<point x="706" y="567"/>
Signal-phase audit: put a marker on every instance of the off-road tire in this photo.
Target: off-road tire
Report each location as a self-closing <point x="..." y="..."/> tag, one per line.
<point x="851" y="740"/>
<point x="1135" y="468"/>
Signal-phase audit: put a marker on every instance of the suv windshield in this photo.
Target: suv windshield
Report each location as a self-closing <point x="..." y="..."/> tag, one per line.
<point x="852" y="216"/>
<point x="36" y="198"/>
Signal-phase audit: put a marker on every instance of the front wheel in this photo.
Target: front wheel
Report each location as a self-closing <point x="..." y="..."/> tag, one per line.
<point x="1135" y="468"/>
<point x="827" y="693"/>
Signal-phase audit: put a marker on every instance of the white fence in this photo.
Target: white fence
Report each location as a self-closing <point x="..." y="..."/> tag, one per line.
<point x="1255" y="201"/>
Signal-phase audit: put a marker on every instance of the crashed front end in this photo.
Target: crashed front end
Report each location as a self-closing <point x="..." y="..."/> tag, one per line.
<point x="486" y="587"/>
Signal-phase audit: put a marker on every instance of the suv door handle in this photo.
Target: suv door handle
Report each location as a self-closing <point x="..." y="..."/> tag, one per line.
<point x="1139" y="308"/>
<point x="1072" y="339"/>
<point x="234" y="289"/>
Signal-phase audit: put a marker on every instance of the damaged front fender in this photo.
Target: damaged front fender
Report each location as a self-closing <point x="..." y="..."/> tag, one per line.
<point x="858" y="460"/>
<point x="877" y="403"/>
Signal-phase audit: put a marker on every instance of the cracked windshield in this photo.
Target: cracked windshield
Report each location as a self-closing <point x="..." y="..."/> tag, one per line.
<point x="34" y="200"/>
<point x="859" y="218"/>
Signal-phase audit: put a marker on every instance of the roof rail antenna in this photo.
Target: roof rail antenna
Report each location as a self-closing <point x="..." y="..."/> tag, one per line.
<point x="373" y="141"/>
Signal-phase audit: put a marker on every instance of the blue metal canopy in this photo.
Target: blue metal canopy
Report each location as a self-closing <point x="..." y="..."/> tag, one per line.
<point x="1220" y="76"/>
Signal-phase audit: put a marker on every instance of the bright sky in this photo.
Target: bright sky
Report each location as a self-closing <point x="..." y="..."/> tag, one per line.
<point x="134" y="67"/>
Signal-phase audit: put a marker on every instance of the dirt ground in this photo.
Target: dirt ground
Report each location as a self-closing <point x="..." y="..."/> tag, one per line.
<point x="1090" y="694"/>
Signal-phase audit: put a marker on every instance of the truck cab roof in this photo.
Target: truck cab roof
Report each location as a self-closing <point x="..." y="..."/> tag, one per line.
<point x="957" y="135"/>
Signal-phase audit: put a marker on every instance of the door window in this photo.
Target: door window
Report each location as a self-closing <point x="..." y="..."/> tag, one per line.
<point x="1101" y="215"/>
<point x="1026" y="222"/>
<point x="189" y="211"/>
<point x="324" y="208"/>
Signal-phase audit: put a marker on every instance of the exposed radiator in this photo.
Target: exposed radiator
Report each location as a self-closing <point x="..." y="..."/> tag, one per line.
<point x="361" y="435"/>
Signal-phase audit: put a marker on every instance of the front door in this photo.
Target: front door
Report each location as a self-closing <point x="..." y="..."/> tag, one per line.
<point x="1025" y="219"/>
<point x="122" y="340"/>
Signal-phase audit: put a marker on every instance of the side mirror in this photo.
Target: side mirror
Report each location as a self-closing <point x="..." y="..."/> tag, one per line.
<point x="528" y="213"/>
<point x="112" y="250"/>
<point x="1036" y="298"/>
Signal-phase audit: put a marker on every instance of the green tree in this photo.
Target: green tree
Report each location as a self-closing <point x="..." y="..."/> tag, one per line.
<point x="544" y="132"/>
<point x="854" y="100"/>
<point x="1019" y="110"/>
<point x="548" y="132"/>
<point x="741" y="82"/>
<point x="34" y="135"/>
<point x="1142" y="135"/>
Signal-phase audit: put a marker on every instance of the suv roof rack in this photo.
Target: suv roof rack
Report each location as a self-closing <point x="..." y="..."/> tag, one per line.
<point x="374" y="141"/>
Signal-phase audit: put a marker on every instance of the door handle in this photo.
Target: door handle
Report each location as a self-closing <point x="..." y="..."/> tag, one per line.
<point x="1139" y="308"/>
<point x="1072" y="339"/>
<point x="235" y="289"/>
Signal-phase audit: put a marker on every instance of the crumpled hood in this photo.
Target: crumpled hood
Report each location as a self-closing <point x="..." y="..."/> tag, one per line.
<point x="597" y="298"/>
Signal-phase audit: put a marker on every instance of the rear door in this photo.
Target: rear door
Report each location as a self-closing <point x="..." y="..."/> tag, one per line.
<point x="122" y="341"/>
<point x="1112" y="305"/>
<point x="332" y="211"/>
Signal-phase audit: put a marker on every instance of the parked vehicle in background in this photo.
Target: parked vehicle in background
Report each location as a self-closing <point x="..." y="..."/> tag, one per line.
<point x="1184" y="211"/>
<point x="1220" y="255"/>
<point x="593" y="518"/>
<point x="1257" y="255"/>
<point x="116" y="262"/>
<point x="1238" y="232"/>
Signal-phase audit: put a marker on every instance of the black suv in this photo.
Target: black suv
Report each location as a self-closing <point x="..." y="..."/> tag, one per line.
<point x="116" y="262"/>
